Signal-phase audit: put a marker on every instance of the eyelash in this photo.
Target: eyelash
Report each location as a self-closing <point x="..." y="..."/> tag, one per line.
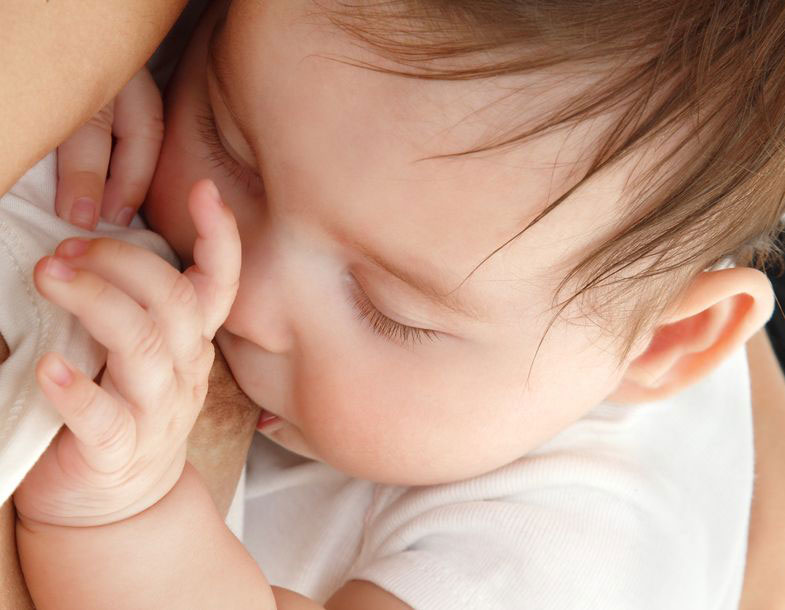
<point x="384" y="326"/>
<point x="379" y="323"/>
<point x="220" y="159"/>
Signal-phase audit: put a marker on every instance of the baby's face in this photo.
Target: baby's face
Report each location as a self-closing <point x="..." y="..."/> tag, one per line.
<point x="352" y="322"/>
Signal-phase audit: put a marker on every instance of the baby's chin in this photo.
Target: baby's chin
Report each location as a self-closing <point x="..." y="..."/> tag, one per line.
<point x="290" y="438"/>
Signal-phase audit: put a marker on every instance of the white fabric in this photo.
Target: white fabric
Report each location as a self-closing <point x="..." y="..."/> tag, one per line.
<point x="235" y="514"/>
<point x="631" y="508"/>
<point x="31" y="325"/>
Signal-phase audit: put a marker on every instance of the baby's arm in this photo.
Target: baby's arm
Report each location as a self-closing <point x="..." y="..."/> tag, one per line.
<point x="217" y="446"/>
<point x="106" y="479"/>
<point x="176" y="554"/>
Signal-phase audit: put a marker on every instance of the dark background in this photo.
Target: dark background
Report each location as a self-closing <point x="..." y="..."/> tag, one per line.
<point x="776" y="326"/>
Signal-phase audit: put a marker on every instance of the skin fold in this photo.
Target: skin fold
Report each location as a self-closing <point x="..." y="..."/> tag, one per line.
<point x="284" y="236"/>
<point x="217" y="447"/>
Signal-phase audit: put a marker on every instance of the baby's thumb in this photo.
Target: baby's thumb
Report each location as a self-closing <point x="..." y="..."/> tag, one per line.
<point x="82" y="163"/>
<point x="215" y="273"/>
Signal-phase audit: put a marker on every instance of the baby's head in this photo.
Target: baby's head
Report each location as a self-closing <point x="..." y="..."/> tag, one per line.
<point x="418" y="316"/>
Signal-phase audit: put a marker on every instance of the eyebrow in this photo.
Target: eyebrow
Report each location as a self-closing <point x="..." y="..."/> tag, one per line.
<point x="419" y="283"/>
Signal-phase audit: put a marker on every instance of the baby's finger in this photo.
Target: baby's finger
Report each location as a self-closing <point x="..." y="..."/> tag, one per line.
<point x="82" y="161"/>
<point x="105" y="430"/>
<point x="139" y="130"/>
<point x="215" y="273"/>
<point x="165" y="293"/>
<point x="139" y="360"/>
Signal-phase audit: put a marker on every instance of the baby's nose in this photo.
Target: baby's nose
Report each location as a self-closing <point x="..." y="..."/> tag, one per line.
<point x="260" y="315"/>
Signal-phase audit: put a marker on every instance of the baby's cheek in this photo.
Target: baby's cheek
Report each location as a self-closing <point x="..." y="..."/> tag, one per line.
<point x="333" y="414"/>
<point x="165" y="208"/>
<point x="364" y="426"/>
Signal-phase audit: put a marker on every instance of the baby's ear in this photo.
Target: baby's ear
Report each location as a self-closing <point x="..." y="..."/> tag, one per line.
<point x="714" y="316"/>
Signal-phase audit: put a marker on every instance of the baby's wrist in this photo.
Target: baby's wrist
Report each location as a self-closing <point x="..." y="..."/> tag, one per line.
<point x="74" y="514"/>
<point x="147" y="545"/>
<point x="188" y="481"/>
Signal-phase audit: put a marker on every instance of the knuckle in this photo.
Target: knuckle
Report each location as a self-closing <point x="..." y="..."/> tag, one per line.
<point x="105" y="248"/>
<point x="85" y="403"/>
<point x="208" y="352"/>
<point x="176" y="428"/>
<point x="153" y="128"/>
<point x="198" y="367"/>
<point x="200" y="392"/>
<point x="103" y="118"/>
<point x="101" y="293"/>
<point x="82" y="174"/>
<point x="196" y="372"/>
<point x="181" y="292"/>
<point x="204" y="361"/>
<point x="148" y="340"/>
<point x="137" y="186"/>
<point x="111" y="438"/>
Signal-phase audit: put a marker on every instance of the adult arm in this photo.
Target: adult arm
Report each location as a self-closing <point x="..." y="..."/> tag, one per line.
<point x="63" y="60"/>
<point x="764" y="587"/>
<point x="13" y="591"/>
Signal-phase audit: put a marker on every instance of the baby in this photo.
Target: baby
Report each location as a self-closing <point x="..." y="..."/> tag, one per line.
<point x="413" y="319"/>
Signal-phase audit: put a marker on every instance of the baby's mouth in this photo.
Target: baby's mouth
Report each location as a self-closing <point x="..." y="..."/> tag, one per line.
<point x="269" y="422"/>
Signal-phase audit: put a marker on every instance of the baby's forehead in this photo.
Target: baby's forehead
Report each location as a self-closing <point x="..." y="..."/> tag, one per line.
<point x="364" y="150"/>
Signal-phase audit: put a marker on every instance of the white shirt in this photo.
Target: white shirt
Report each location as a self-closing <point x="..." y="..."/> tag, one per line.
<point x="632" y="507"/>
<point x="31" y="325"/>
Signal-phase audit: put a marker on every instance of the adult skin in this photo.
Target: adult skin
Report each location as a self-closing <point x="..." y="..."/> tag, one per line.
<point x="217" y="447"/>
<point x="219" y="441"/>
<point x="764" y="588"/>
<point x="63" y="60"/>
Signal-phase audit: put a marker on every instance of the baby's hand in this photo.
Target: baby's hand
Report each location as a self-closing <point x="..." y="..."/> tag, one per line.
<point x="125" y="443"/>
<point x="135" y="119"/>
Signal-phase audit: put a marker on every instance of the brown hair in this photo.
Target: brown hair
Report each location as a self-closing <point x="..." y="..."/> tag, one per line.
<point x="717" y="67"/>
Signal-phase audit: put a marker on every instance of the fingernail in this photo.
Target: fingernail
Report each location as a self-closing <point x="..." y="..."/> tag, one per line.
<point x="124" y="216"/>
<point x="83" y="212"/>
<point x="58" y="372"/>
<point x="73" y="247"/>
<point x="59" y="270"/>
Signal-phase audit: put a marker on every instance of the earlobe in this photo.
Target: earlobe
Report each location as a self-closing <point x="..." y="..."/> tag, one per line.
<point x="717" y="313"/>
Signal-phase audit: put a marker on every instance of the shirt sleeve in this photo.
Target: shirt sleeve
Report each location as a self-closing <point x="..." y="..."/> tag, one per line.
<point x="31" y="325"/>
